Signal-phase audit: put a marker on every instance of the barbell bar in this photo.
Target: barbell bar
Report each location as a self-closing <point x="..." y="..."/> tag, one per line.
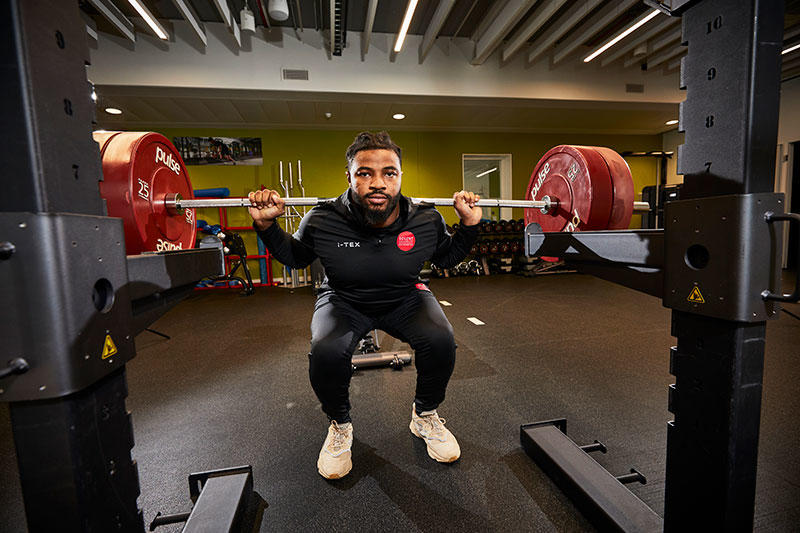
<point x="175" y="204"/>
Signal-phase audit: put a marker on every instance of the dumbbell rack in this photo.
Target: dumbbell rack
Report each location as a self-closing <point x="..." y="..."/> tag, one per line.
<point x="482" y="257"/>
<point x="485" y="237"/>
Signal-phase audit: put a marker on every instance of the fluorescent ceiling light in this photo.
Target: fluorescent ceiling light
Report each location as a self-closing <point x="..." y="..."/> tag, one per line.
<point x="113" y="111"/>
<point x="671" y="122"/>
<point x="398" y="116"/>
<point x="151" y="21"/>
<point x="486" y="172"/>
<point x="412" y="5"/>
<point x="636" y="25"/>
<point x="791" y="49"/>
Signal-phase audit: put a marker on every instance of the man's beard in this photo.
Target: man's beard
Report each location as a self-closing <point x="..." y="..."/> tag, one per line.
<point x="375" y="215"/>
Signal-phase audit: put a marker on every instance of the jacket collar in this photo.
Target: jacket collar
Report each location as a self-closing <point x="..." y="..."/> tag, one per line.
<point x="353" y="212"/>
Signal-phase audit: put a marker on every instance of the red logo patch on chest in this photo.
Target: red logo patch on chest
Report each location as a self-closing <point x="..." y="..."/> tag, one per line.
<point x="406" y="241"/>
<point x="422" y="287"/>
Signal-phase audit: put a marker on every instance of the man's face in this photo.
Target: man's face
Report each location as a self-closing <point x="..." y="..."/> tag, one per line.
<point x="374" y="177"/>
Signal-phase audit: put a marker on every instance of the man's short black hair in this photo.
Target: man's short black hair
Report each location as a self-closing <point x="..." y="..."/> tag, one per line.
<point x="371" y="141"/>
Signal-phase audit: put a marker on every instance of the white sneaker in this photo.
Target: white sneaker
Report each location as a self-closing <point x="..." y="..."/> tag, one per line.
<point x="335" y="458"/>
<point x="442" y="445"/>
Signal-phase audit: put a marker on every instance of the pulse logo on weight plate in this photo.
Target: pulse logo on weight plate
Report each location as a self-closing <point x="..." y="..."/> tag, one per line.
<point x="406" y="241"/>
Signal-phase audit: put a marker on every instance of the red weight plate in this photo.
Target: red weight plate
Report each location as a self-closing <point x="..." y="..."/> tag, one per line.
<point x="622" y="181"/>
<point x="139" y="170"/>
<point x="578" y="178"/>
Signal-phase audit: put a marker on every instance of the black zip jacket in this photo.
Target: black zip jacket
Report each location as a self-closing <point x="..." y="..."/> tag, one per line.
<point x="371" y="268"/>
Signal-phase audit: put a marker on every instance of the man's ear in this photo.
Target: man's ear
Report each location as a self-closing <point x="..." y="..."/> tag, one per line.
<point x="347" y="175"/>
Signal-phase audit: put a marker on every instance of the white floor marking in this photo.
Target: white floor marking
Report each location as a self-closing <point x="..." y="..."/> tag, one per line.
<point x="445" y="303"/>
<point x="475" y="321"/>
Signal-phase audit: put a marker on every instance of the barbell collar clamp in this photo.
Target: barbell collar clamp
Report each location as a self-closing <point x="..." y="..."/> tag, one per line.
<point x="172" y="203"/>
<point x="548" y="205"/>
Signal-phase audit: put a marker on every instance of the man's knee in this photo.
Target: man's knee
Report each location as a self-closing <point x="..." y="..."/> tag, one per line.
<point x="331" y="350"/>
<point x="440" y="339"/>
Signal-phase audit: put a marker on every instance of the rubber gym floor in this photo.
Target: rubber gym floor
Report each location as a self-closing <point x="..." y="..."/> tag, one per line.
<point x="231" y="388"/>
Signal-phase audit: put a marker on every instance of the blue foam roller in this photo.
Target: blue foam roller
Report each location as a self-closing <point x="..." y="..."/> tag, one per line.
<point x="215" y="192"/>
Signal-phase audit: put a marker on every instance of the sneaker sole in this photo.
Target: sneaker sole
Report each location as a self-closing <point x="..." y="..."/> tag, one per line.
<point x="433" y="455"/>
<point x="335" y="475"/>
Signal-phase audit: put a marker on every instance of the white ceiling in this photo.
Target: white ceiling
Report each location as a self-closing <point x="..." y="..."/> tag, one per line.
<point x="545" y="36"/>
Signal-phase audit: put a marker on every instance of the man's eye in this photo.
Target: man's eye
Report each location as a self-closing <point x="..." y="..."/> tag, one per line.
<point x="362" y="174"/>
<point x="391" y="174"/>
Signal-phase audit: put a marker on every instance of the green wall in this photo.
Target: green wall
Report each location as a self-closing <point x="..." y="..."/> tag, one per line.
<point x="431" y="164"/>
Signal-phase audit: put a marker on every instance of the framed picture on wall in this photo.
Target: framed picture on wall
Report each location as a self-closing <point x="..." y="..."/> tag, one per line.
<point x="219" y="150"/>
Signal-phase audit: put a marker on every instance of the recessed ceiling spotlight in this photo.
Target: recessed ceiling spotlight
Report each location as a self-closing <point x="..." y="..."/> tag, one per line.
<point x="328" y="114"/>
<point x="671" y="122"/>
<point x="113" y="111"/>
<point x="398" y="116"/>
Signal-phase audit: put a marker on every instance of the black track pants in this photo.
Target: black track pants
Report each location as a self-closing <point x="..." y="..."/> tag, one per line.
<point x="337" y="326"/>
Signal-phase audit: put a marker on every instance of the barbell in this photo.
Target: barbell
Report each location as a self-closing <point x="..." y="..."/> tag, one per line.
<point x="145" y="183"/>
<point x="175" y="203"/>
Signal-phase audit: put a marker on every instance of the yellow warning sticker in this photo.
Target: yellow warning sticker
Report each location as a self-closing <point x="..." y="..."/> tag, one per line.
<point x="695" y="296"/>
<point x="109" y="348"/>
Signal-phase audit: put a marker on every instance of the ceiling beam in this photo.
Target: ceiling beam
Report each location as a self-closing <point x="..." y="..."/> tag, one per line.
<point x="540" y="16"/>
<point x="499" y="28"/>
<point x="225" y="13"/>
<point x="561" y="26"/>
<point x="791" y="32"/>
<point x="115" y="17"/>
<point x="491" y="14"/>
<point x="299" y="14"/>
<point x="191" y="17"/>
<point x="655" y="29"/>
<point x="91" y="25"/>
<point x="664" y="56"/>
<point x="668" y="39"/>
<point x="789" y="65"/>
<point x="610" y="13"/>
<point x="434" y="27"/>
<point x="366" y="36"/>
<point x="675" y="63"/>
<point x="661" y="42"/>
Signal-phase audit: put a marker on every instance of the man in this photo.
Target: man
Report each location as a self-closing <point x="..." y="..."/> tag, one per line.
<point x="372" y="242"/>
